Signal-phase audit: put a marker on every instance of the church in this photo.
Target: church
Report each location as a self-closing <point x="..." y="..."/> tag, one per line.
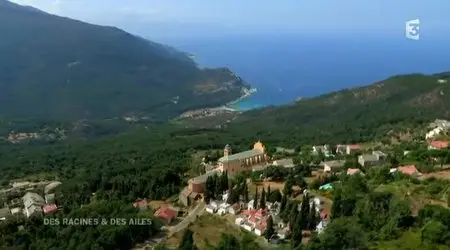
<point x="243" y="161"/>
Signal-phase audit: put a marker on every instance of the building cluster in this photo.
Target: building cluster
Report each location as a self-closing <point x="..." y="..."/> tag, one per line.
<point x="438" y="127"/>
<point x="165" y="213"/>
<point x="31" y="204"/>
<point x="254" y="159"/>
<point x="253" y="219"/>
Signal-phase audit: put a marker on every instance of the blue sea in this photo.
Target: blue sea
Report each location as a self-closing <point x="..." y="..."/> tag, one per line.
<point x="284" y="68"/>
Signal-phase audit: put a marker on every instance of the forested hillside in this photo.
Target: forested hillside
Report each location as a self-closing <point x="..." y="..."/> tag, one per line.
<point x="396" y="104"/>
<point x="55" y="67"/>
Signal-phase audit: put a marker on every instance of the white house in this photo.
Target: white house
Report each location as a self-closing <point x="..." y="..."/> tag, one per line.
<point x="247" y="227"/>
<point x="259" y="230"/>
<point x="235" y="209"/>
<point x="222" y="211"/>
<point x="210" y="209"/>
<point x="225" y="196"/>
<point x="250" y="205"/>
<point x="321" y="226"/>
<point x="214" y="204"/>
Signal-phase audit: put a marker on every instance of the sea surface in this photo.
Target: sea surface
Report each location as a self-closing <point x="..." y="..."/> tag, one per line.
<point x="284" y="68"/>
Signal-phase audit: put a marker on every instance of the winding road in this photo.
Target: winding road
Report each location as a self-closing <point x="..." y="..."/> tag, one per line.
<point x="191" y="217"/>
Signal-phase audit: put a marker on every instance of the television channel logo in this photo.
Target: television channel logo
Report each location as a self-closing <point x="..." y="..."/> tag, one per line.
<point x="412" y="29"/>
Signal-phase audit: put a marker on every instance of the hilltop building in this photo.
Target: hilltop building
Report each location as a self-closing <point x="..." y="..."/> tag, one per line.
<point x="243" y="161"/>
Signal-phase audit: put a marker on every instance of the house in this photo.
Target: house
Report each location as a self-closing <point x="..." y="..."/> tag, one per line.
<point x="4" y="213"/>
<point x="393" y="170"/>
<point x="283" y="233"/>
<point x="166" y="214"/>
<point x="49" y="198"/>
<point x="188" y="197"/>
<point x="223" y="208"/>
<point x="215" y="204"/>
<point x="434" y="132"/>
<point x="33" y="204"/>
<point x="239" y="221"/>
<point x="235" y="209"/>
<point x="287" y="163"/>
<point x="326" y="187"/>
<point x="333" y="166"/>
<point x="51" y="208"/>
<point x="323" y="215"/>
<point x="353" y="148"/>
<point x="260" y="213"/>
<point x="325" y="149"/>
<point x="198" y="183"/>
<point x="409" y="170"/>
<point x="381" y="155"/>
<point x="141" y="204"/>
<point x="210" y="209"/>
<point x="368" y="160"/>
<point x="260" y="228"/>
<point x="247" y="226"/>
<point x="248" y="213"/>
<point x="437" y="145"/>
<point x="16" y="210"/>
<point x="353" y="171"/>
<point x="250" y="205"/>
<point x="348" y="149"/>
<point x="225" y="196"/>
<point x="321" y="226"/>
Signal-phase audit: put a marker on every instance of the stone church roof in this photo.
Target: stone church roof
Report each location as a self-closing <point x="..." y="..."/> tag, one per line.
<point x="240" y="156"/>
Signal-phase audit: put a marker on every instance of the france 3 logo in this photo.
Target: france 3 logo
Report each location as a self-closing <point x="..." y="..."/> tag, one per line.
<point x="412" y="29"/>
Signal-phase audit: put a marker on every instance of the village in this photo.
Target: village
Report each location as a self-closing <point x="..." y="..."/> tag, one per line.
<point x="260" y="213"/>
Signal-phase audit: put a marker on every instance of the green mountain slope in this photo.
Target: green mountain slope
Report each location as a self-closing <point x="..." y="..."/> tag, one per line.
<point x="358" y="114"/>
<point x="55" y="67"/>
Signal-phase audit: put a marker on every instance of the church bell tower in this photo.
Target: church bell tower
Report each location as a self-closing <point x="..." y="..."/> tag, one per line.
<point x="227" y="150"/>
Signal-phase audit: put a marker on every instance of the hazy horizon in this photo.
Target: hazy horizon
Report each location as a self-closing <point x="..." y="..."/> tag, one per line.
<point x="169" y="19"/>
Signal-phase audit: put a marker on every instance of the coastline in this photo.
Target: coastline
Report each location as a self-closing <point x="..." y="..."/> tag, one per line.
<point x="218" y="110"/>
<point x="247" y="93"/>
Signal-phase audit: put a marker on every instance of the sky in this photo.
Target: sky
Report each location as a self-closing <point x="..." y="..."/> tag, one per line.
<point x="162" y="18"/>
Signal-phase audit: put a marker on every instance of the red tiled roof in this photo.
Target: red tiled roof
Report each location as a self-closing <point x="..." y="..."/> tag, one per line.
<point x="408" y="170"/>
<point x="354" y="146"/>
<point x="141" y="203"/>
<point x="323" y="215"/>
<point x="352" y="171"/>
<point x="439" y="144"/>
<point x="253" y="219"/>
<point x="166" y="213"/>
<point x="249" y="212"/>
<point x="49" y="208"/>
<point x="261" y="213"/>
<point x="261" y="226"/>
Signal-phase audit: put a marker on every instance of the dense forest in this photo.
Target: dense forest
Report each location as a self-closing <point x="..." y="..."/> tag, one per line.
<point x="396" y="105"/>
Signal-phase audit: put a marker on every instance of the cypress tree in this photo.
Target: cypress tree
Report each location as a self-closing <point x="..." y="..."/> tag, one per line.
<point x="245" y="193"/>
<point x="269" y="230"/>
<point x="312" y="218"/>
<point x="305" y="210"/>
<point x="262" y="202"/>
<point x="293" y="216"/>
<point x="268" y="191"/>
<point x="255" y="199"/>
<point x="283" y="203"/>
<point x="296" y="238"/>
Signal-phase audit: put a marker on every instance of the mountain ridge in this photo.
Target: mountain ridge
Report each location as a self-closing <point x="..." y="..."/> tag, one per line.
<point x="399" y="103"/>
<point x="56" y="67"/>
